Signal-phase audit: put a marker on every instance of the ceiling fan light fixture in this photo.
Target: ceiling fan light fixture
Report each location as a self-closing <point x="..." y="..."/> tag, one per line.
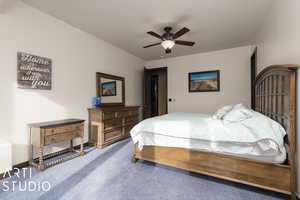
<point x="168" y="44"/>
<point x="168" y="51"/>
<point x="169" y="39"/>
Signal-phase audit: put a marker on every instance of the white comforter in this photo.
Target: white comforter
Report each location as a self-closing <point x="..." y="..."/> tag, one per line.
<point x="262" y="134"/>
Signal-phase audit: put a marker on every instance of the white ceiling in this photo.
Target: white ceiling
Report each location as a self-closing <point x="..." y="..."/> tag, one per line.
<point x="214" y="24"/>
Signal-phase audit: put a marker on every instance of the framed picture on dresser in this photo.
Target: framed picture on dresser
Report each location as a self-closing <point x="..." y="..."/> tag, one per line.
<point x="109" y="88"/>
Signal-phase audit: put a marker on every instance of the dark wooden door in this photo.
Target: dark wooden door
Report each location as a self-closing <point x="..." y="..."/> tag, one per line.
<point x="154" y="95"/>
<point x="155" y="92"/>
<point x="147" y="94"/>
<point x="253" y="76"/>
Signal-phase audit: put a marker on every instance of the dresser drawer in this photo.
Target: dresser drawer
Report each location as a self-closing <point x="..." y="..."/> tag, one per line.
<point x="52" y="139"/>
<point x="131" y="120"/>
<point x="115" y="121"/>
<point x="112" y="135"/>
<point x="114" y="114"/>
<point x="63" y="129"/>
<point x="130" y="113"/>
<point x="95" y="115"/>
<point x="112" y="124"/>
<point x="127" y="130"/>
<point x="109" y="115"/>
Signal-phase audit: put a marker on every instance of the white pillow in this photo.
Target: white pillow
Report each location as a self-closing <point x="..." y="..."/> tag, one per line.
<point x="221" y="112"/>
<point x="238" y="114"/>
<point x="239" y="106"/>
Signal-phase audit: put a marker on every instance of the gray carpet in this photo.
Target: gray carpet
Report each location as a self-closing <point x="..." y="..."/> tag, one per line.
<point x="109" y="175"/>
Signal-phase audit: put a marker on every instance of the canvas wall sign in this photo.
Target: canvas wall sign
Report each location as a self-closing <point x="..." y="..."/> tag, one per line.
<point x="34" y="72"/>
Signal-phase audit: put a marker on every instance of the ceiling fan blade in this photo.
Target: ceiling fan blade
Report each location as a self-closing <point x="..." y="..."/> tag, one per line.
<point x="151" y="45"/>
<point x="186" y="43"/>
<point x="155" y="35"/>
<point x="181" y="32"/>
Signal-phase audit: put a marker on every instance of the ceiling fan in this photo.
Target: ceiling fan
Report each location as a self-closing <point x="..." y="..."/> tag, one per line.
<point x="169" y="39"/>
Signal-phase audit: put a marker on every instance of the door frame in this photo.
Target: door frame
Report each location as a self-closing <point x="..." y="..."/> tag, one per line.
<point x="253" y="73"/>
<point x="144" y="84"/>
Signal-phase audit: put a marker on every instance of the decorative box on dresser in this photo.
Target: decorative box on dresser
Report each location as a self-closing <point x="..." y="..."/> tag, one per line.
<point x="111" y="124"/>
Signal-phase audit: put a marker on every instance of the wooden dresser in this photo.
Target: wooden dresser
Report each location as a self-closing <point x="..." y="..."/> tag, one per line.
<point x="47" y="133"/>
<point x="111" y="124"/>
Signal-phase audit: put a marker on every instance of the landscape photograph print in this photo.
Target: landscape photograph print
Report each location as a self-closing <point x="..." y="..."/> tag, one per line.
<point x="109" y="88"/>
<point x="207" y="81"/>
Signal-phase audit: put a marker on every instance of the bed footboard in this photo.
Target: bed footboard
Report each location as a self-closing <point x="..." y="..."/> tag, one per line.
<point x="268" y="176"/>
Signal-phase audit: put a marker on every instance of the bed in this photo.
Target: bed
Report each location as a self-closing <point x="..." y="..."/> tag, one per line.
<point x="275" y="97"/>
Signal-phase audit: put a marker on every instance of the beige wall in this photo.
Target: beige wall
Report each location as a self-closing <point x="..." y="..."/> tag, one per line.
<point x="76" y="57"/>
<point x="278" y="41"/>
<point x="234" y="65"/>
<point x="279" y="37"/>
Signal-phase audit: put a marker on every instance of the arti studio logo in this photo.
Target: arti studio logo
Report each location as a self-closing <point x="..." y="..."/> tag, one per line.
<point x="22" y="181"/>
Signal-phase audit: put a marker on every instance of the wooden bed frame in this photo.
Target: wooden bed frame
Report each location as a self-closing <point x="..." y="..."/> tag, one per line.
<point x="275" y="96"/>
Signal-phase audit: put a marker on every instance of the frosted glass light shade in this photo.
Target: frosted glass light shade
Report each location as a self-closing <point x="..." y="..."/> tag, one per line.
<point x="168" y="44"/>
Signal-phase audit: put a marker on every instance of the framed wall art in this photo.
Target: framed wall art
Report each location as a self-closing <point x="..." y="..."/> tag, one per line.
<point x="206" y="81"/>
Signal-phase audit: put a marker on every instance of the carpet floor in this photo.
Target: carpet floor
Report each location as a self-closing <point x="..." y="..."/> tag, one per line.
<point x="108" y="174"/>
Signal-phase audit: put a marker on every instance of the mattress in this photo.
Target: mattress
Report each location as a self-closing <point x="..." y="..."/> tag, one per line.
<point x="255" y="151"/>
<point x="259" y="137"/>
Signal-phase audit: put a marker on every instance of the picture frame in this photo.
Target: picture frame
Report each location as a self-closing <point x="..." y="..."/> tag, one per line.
<point x="205" y="81"/>
<point x="109" y="88"/>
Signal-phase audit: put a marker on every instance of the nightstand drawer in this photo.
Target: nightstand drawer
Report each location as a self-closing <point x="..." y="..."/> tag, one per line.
<point x="52" y="139"/>
<point x="63" y="129"/>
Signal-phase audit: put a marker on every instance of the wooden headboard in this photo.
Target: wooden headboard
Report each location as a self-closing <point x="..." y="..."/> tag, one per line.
<point x="275" y="96"/>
